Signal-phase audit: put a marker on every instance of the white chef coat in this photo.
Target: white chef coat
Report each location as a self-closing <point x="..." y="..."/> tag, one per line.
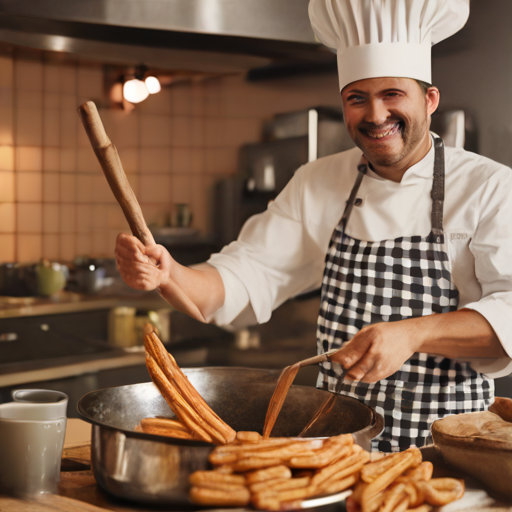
<point x="281" y="253"/>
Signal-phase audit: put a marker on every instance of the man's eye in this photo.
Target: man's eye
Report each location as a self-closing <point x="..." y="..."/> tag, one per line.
<point x="392" y="95"/>
<point x="355" y="99"/>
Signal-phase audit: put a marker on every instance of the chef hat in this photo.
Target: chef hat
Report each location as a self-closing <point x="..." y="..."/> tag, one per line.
<point x="381" y="38"/>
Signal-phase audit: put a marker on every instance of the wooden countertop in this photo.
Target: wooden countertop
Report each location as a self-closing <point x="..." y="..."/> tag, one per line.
<point x="79" y="492"/>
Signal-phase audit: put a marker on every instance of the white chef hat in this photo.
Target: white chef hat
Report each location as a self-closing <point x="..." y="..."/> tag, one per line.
<point x="381" y="38"/>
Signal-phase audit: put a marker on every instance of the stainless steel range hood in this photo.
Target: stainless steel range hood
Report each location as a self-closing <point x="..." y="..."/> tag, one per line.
<point x="199" y="35"/>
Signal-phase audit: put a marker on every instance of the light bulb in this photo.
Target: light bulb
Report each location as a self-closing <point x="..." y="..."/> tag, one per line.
<point x="153" y="84"/>
<point x="135" y="91"/>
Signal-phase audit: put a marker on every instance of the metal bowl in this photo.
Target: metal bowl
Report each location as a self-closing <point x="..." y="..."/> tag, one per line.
<point x="155" y="469"/>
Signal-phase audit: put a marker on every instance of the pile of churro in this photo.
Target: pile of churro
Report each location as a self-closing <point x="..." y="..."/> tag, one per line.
<point x="196" y="420"/>
<point x="277" y="473"/>
<point x="401" y="482"/>
<point x="280" y="473"/>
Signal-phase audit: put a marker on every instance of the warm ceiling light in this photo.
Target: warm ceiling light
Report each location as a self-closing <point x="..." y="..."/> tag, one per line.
<point x="135" y="91"/>
<point x="153" y="84"/>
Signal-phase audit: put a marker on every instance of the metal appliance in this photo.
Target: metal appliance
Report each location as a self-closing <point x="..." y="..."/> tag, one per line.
<point x="457" y="128"/>
<point x="291" y="140"/>
<point x="210" y="36"/>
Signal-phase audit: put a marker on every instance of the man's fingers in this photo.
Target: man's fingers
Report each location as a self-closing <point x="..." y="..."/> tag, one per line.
<point x="130" y="253"/>
<point x="362" y="368"/>
<point x="353" y="351"/>
<point x="126" y="240"/>
<point x="154" y="253"/>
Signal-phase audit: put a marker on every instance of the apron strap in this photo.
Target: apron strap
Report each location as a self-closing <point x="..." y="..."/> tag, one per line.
<point x="362" y="168"/>
<point x="437" y="192"/>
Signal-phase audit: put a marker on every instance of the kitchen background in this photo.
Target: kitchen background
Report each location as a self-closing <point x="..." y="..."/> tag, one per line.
<point x="175" y="146"/>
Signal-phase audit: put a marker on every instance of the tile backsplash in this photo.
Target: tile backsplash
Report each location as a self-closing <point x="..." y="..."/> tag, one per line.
<point x="54" y="199"/>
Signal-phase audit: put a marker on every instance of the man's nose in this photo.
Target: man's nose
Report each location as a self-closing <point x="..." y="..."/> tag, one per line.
<point x="376" y="112"/>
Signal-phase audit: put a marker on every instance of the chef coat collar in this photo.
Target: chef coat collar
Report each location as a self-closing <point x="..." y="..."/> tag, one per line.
<point x="424" y="169"/>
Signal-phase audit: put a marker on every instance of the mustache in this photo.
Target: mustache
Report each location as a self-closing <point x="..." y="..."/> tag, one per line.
<point x="372" y="126"/>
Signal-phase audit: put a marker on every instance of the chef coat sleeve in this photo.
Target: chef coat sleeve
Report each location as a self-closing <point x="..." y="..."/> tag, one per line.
<point x="492" y="250"/>
<point x="272" y="260"/>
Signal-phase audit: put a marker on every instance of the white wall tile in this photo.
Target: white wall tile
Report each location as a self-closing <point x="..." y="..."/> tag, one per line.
<point x="7" y="218"/>
<point x="28" y="74"/>
<point x="6" y="126"/>
<point x="6" y="158"/>
<point x="67" y="246"/>
<point x="68" y="128"/>
<point x="67" y="188"/>
<point x="90" y="82"/>
<point x="51" y="245"/>
<point x="29" y="127"/>
<point x="29" y="217"/>
<point x="7" y="97"/>
<point x="51" y="187"/>
<point x="87" y="161"/>
<point x="68" y="218"/>
<point x="29" y="247"/>
<point x="51" y="218"/>
<point x="29" y="159"/>
<point x="51" y="159"/>
<point x="7" y="247"/>
<point x="51" y="128"/>
<point x="29" y="187"/>
<point x="155" y="160"/>
<point x="51" y="74"/>
<point x="155" y="130"/>
<point x="84" y="218"/>
<point x="67" y="160"/>
<point x="6" y="71"/>
<point x="67" y="79"/>
<point x="155" y="188"/>
<point x="29" y="99"/>
<point x="7" y="194"/>
<point x="130" y="158"/>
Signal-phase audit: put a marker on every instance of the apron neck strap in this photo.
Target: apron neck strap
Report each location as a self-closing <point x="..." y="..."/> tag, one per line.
<point x="437" y="192"/>
<point x="362" y="168"/>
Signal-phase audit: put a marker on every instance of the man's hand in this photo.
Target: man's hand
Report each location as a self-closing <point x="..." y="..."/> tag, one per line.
<point x="197" y="292"/>
<point x="377" y="351"/>
<point x="136" y="263"/>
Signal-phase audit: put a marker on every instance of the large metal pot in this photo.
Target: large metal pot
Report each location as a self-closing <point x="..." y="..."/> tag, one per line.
<point x="155" y="469"/>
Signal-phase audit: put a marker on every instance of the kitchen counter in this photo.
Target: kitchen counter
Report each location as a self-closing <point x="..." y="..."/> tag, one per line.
<point x="79" y="492"/>
<point x="69" y="302"/>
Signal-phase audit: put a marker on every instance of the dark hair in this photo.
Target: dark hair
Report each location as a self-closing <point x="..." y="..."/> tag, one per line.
<point x="424" y="86"/>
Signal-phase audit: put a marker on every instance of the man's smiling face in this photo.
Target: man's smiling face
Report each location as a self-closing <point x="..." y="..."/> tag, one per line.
<point x="389" y="118"/>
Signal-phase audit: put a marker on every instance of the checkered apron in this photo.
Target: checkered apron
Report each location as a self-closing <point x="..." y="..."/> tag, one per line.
<point x="369" y="282"/>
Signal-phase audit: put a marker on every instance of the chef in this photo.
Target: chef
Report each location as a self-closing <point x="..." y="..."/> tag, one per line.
<point x="410" y="242"/>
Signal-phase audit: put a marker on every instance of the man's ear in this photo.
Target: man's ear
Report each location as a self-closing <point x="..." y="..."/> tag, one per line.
<point x="432" y="97"/>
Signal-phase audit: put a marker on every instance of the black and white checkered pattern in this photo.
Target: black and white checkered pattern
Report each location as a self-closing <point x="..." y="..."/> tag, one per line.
<point x="370" y="282"/>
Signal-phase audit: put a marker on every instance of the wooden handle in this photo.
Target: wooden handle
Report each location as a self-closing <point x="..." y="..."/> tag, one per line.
<point x="112" y="167"/>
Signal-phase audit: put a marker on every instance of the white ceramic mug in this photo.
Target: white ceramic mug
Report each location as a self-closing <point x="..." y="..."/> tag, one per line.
<point x="32" y="430"/>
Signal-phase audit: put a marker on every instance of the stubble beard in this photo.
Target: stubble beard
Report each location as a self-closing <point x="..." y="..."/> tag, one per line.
<point x="411" y="135"/>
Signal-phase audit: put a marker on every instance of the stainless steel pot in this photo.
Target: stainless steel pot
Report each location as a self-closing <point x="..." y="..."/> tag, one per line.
<point x="155" y="469"/>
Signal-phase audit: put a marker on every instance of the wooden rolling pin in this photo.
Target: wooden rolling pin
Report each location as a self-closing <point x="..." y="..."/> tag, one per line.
<point x="112" y="167"/>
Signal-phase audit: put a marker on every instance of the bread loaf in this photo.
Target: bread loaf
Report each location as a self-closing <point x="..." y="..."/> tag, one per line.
<point x="480" y="444"/>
